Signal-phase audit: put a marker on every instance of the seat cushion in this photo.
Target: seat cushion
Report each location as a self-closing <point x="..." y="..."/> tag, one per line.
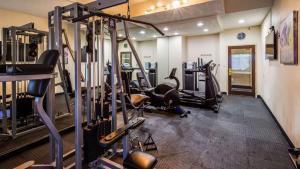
<point x="138" y="99"/>
<point x="140" y="160"/>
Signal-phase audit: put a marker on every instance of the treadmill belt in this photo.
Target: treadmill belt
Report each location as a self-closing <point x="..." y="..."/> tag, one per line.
<point x="195" y="93"/>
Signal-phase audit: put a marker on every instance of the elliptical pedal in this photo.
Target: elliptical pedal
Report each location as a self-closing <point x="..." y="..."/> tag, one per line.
<point x="216" y="108"/>
<point x="185" y="114"/>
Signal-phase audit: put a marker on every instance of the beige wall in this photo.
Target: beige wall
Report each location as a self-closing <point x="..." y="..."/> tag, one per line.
<point x="147" y="51"/>
<point x="229" y="38"/>
<point x="14" y="18"/>
<point x="205" y="47"/>
<point x="11" y="18"/>
<point x="280" y="88"/>
<point x="209" y="47"/>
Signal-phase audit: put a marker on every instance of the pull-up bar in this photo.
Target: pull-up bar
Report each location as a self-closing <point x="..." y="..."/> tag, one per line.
<point x="100" y="14"/>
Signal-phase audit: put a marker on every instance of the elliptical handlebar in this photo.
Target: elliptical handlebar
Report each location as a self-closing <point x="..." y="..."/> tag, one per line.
<point x="202" y="66"/>
<point x="173" y="77"/>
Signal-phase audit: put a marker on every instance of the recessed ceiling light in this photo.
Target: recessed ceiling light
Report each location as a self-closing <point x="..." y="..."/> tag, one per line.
<point x="168" y="6"/>
<point x="152" y="7"/>
<point x="176" y="4"/>
<point x="120" y="35"/>
<point x="205" y="30"/>
<point x="185" y="1"/>
<point x="159" y="4"/>
<point x="176" y="33"/>
<point x="133" y="38"/>
<point x="241" y="21"/>
<point x="166" y="29"/>
<point x="200" y="24"/>
<point x="142" y="32"/>
<point x="154" y="36"/>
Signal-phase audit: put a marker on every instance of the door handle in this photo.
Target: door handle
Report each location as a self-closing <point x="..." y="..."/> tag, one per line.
<point x="229" y="72"/>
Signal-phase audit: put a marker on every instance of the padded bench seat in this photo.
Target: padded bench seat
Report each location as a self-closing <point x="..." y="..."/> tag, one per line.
<point x="138" y="99"/>
<point x="140" y="160"/>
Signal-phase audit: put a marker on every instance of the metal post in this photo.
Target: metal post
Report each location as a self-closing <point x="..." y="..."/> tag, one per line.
<point x="51" y="41"/>
<point x="4" y="48"/>
<point x="78" y="118"/>
<point x="135" y="54"/>
<point x="17" y="49"/>
<point x="98" y="66"/>
<point x="50" y="99"/>
<point x="94" y="70"/>
<point x="125" y="139"/>
<point x="116" y="69"/>
<point x="102" y="66"/>
<point x="113" y="37"/>
<point x="88" y="89"/>
<point x="4" y="45"/>
<point x="13" y="86"/>
<point x="51" y="38"/>
<point x="53" y="131"/>
<point x="58" y="45"/>
<point x="120" y="82"/>
<point x="4" y="121"/>
<point x="25" y="59"/>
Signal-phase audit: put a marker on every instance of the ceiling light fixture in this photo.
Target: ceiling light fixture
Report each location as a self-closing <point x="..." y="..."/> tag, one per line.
<point x="152" y="7"/>
<point x="159" y="4"/>
<point x="133" y="38"/>
<point x="176" y="33"/>
<point x="185" y="1"/>
<point x="241" y="21"/>
<point x="168" y="6"/>
<point x="166" y="29"/>
<point x="205" y="30"/>
<point x="154" y="36"/>
<point x="142" y="32"/>
<point x="200" y="24"/>
<point x="120" y="35"/>
<point x="176" y="4"/>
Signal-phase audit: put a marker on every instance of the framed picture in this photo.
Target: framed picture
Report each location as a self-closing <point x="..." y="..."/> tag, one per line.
<point x="126" y="58"/>
<point x="288" y="40"/>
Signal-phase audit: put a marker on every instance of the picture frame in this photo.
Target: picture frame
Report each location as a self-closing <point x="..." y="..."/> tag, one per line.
<point x="288" y="39"/>
<point x="126" y="58"/>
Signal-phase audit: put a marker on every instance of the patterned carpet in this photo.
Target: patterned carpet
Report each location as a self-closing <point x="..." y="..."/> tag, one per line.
<point x="242" y="135"/>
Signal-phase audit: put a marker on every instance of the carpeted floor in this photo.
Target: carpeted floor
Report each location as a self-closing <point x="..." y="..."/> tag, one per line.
<point x="242" y="135"/>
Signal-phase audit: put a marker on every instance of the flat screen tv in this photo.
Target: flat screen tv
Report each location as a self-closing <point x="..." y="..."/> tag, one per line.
<point x="271" y="45"/>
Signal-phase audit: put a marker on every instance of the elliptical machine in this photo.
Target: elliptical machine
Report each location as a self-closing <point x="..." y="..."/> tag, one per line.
<point x="212" y="97"/>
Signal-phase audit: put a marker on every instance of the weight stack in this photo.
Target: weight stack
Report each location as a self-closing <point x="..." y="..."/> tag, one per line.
<point x="91" y="136"/>
<point x="106" y="112"/>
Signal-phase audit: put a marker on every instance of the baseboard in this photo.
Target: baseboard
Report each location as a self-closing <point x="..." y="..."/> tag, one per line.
<point x="291" y="144"/>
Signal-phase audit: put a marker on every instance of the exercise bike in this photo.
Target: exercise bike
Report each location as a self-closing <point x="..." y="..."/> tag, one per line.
<point x="166" y="97"/>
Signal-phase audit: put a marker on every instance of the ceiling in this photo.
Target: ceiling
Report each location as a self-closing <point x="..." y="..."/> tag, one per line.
<point x="216" y="15"/>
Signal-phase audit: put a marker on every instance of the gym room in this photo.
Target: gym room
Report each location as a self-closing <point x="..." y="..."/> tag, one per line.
<point x="149" y="84"/>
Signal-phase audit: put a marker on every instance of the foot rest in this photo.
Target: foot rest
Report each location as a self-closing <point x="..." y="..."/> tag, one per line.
<point x="140" y="160"/>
